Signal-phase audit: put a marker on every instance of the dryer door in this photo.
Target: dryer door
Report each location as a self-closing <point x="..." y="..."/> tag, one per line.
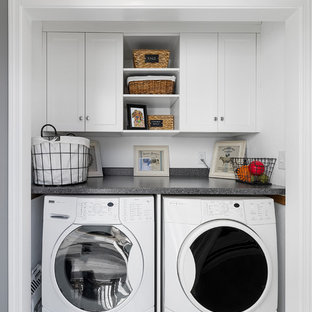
<point x="223" y="266"/>
<point x="91" y="267"/>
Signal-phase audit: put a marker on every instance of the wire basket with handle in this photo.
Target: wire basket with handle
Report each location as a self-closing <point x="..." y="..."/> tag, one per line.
<point x="59" y="160"/>
<point x="253" y="170"/>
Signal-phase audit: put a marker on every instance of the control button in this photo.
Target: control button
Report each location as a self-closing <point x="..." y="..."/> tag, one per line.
<point x="110" y="204"/>
<point x="236" y="205"/>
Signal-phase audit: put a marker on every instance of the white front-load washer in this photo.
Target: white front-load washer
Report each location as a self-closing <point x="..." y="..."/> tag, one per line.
<point x="98" y="254"/>
<point x="220" y="254"/>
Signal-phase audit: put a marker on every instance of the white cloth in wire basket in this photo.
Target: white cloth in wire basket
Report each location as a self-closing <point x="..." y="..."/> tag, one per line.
<point x="61" y="161"/>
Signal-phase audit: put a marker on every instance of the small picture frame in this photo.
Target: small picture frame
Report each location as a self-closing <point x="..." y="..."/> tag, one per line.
<point x="95" y="169"/>
<point x="151" y="160"/>
<point x="221" y="166"/>
<point x="137" y="117"/>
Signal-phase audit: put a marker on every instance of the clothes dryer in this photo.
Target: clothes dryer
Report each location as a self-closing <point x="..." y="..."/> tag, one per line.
<point x="98" y="254"/>
<point x="220" y="255"/>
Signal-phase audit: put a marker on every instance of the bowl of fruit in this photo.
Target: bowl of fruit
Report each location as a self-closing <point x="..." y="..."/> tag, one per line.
<point x="253" y="170"/>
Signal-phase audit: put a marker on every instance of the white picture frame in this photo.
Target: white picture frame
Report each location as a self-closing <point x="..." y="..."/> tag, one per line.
<point x="221" y="166"/>
<point x="95" y="169"/>
<point x="151" y="160"/>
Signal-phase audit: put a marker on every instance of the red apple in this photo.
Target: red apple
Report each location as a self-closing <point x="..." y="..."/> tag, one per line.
<point x="256" y="168"/>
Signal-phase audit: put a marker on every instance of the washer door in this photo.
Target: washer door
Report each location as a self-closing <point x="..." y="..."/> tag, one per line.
<point x="91" y="267"/>
<point x="223" y="266"/>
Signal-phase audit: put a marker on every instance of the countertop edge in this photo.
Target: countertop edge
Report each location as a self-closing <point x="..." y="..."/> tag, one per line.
<point x="185" y="185"/>
<point x="154" y="191"/>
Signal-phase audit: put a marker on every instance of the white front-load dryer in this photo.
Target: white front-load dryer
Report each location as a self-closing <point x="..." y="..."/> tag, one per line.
<point x="98" y="254"/>
<point x="220" y="254"/>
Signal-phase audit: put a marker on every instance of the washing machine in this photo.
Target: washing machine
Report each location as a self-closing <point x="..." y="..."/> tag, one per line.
<point x="98" y="254"/>
<point x="220" y="254"/>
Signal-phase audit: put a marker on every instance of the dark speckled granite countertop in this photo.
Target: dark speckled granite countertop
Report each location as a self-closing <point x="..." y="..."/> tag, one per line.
<point x="176" y="185"/>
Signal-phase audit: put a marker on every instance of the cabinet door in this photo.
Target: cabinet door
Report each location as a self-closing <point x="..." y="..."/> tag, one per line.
<point x="237" y="82"/>
<point x="199" y="96"/>
<point x="65" y="81"/>
<point x="104" y="81"/>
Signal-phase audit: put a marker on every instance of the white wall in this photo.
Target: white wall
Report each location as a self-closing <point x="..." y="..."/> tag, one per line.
<point x="271" y="106"/>
<point x="183" y="152"/>
<point x="38" y="114"/>
<point x="4" y="155"/>
<point x="298" y="287"/>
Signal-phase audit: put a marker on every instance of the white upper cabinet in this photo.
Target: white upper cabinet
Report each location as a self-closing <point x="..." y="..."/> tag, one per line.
<point x="218" y="82"/>
<point x="65" y="81"/>
<point x="84" y="81"/>
<point x="215" y="88"/>
<point x="104" y="81"/>
<point x="199" y="96"/>
<point x="237" y="82"/>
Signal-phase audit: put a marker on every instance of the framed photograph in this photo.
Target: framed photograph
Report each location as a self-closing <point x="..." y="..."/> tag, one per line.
<point x="95" y="169"/>
<point x="221" y="166"/>
<point x="151" y="160"/>
<point x="137" y="117"/>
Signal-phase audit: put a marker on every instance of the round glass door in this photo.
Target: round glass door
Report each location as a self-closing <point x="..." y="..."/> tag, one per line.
<point x="231" y="270"/>
<point x="91" y="268"/>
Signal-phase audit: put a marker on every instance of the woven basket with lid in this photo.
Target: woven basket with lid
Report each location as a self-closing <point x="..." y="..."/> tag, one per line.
<point x="150" y="58"/>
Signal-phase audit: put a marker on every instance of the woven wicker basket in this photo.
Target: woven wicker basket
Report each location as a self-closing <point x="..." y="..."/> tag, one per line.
<point x="148" y="58"/>
<point x="160" y="122"/>
<point x="151" y="87"/>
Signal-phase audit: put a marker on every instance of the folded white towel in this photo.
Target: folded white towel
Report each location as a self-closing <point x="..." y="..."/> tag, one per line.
<point x="145" y="78"/>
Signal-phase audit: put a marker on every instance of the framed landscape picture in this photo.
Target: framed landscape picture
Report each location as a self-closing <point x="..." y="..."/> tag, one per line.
<point x="221" y="166"/>
<point x="151" y="160"/>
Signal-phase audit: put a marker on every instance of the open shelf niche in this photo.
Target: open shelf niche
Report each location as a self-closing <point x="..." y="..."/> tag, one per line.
<point x="156" y="104"/>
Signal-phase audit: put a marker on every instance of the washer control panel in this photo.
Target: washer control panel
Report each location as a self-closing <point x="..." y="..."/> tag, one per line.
<point x="260" y="211"/>
<point x="137" y="210"/>
<point x="225" y="209"/>
<point x="95" y="211"/>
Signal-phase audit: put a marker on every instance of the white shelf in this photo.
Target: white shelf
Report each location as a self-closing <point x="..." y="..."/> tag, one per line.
<point x="150" y="71"/>
<point x="160" y="133"/>
<point x="151" y="100"/>
<point x="150" y="132"/>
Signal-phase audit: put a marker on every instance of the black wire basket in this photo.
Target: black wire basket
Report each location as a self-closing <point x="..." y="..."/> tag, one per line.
<point x="253" y="170"/>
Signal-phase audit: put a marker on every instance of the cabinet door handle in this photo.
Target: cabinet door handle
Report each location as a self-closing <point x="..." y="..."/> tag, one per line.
<point x="222" y="118"/>
<point x="59" y="216"/>
<point x="80" y="118"/>
<point x="215" y="118"/>
<point x="88" y="117"/>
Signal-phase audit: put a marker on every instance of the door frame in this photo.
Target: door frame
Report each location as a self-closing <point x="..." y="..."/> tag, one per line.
<point x="298" y="176"/>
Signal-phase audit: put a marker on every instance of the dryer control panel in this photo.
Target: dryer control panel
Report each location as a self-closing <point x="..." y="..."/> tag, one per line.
<point x="252" y="211"/>
<point x="97" y="211"/>
<point x="223" y="209"/>
<point x="260" y="211"/>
